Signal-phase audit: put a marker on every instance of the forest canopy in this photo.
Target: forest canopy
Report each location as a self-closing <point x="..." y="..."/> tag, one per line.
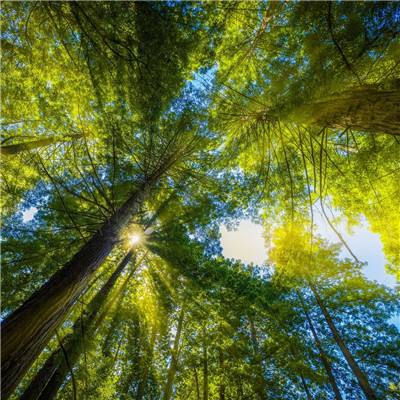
<point x="131" y="132"/>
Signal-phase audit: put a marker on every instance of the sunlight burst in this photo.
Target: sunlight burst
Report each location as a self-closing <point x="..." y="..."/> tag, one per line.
<point x="134" y="239"/>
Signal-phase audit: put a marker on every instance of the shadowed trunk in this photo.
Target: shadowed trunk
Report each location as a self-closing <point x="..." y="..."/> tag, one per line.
<point x="52" y="374"/>
<point x="322" y="354"/>
<point x="11" y="149"/>
<point x="29" y="328"/>
<point x="174" y="358"/>
<point x="222" y="384"/>
<point x="359" y="374"/>
<point x="365" y="109"/>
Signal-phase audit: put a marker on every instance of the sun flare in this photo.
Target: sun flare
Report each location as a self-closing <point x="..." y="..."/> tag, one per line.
<point x="134" y="239"/>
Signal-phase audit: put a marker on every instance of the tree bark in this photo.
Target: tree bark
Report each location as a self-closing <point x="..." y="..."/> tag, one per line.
<point x="174" y="358"/>
<point x="55" y="368"/>
<point x="365" y="109"/>
<point x="12" y="149"/>
<point x="359" y="374"/>
<point x="29" y="328"/>
<point x="322" y="354"/>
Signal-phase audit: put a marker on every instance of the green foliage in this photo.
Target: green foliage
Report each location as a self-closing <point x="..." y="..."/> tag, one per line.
<point x="235" y="109"/>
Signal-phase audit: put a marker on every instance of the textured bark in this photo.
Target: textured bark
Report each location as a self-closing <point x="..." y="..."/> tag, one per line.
<point x="55" y="365"/>
<point x="359" y="374"/>
<point x="12" y="149"/>
<point x="174" y="358"/>
<point x="365" y="109"/>
<point x="29" y="328"/>
<point x="322" y="354"/>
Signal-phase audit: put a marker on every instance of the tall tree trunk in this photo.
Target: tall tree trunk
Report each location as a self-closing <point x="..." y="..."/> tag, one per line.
<point x="205" y="365"/>
<point x="174" y="358"/>
<point x="12" y="149"/>
<point x="222" y="383"/>
<point x="29" y="328"/>
<point x="322" y="354"/>
<point x="359" y="374"/>
<point x="55" y="368"/>
<point x="293" y="351"/>
<point x="196" y="382"/>
<point x="364" y="109"/>
<point x="305" y="386"/>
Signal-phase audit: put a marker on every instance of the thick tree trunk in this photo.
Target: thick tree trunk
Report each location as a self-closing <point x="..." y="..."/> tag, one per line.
<point x="322" y="354"/>
<point x="359" y="374"/>
<point x="12" y="149"/>
<point x="364" y="109"/>
<point x="29" y="328"/>
<point x="174" y="358"/>
<point x="55" y="368"/>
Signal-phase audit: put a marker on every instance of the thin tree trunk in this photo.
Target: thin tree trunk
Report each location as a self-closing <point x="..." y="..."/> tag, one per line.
<point x="305" y="386"/>
<point x="359" y="374"/>
<point x="222" y="384"/>
<point x="322" y="354"/>
<point x="174" y="358"/>
<point x="55" y="368"/>
<point x="12" y="149"/>
<point x="29" y="328"/>
<point x="293" y="351"/>
<point x="143" y="381"/>
<point x="196" y="381"/>
<point x="205" y="365"/>
<point x="365" y="109"/>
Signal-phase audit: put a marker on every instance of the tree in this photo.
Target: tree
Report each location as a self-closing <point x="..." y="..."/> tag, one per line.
<point x="174" y="357"/>
<point x="156" y="122"/>
<point x="324" y="358"/>
<point x="53" y="301"/>
<point x="52" y="374"/>
<point x="316" y="267"/>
